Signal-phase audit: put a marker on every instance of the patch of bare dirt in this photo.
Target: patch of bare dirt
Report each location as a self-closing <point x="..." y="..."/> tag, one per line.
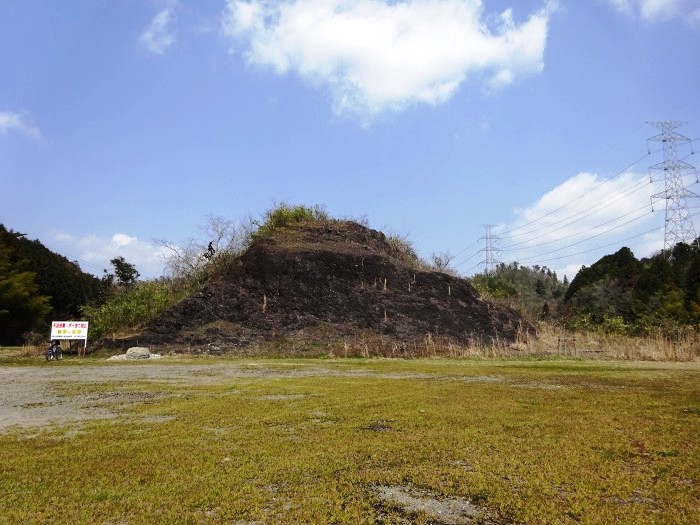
<point x="440" y="510"/>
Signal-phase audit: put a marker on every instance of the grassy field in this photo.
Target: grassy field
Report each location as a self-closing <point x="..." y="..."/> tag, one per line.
<point x="366" y="441"/>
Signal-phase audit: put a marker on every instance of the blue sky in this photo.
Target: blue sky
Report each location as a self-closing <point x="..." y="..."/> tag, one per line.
<point x="126" y="121"/>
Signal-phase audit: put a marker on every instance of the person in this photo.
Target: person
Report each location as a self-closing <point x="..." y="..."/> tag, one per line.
<point x="210" y="250"/>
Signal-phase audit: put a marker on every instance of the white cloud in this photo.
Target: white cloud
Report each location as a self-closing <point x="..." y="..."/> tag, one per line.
<point x="159" y="36"/>
<point x="121" y="239"/>
<point x="10" y="121"/>
<point x="659" y="10"/>
<point x="93" y="252"/>
<point x="583" y="219"/>
<point x="377" y="55"/>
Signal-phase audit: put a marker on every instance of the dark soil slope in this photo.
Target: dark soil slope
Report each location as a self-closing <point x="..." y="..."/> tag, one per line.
<point x="336" y="282"/>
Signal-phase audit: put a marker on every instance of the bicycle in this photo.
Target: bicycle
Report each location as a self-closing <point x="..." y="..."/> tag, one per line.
<point x="54" y="352"/>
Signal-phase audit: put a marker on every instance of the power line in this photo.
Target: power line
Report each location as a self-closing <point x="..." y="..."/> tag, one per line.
<point x="509" y="248"/>
<point x="616" y="243"/>
<point x="509" y="232"/>
<point x="473" y="268"/>
<point x="588" y="238"/>
<point x="81" y="262"/>
<point x="617" y="174"/>
<point x="646" y="206"/>
<point x="465" y="249"/>
<point x="467" y="259"/>
<point x="604" y="181"/>
<point x="581" y="214"/>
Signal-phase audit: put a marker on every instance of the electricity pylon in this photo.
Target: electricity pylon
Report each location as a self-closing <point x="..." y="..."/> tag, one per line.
<point x="679" y="224"/>
<point x="491" y="253"/>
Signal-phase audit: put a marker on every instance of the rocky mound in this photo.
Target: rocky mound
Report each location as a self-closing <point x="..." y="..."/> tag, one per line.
<point x="336" y="282"/>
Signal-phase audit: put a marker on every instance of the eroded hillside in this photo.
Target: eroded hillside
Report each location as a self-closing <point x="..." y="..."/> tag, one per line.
<point x="330" y="283"/>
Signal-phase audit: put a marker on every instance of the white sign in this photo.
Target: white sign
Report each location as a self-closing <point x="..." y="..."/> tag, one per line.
<point x="69" y="330"/>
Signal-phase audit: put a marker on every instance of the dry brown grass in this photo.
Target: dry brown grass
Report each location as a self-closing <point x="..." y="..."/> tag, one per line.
<point x="32" y="351"/>
<point x="598" y="345"/>
<point x="550" y="342"/>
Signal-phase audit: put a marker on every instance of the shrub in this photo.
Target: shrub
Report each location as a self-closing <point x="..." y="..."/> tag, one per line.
<point x="404" y="251"/>
<point x="286" y="215"/>
<point x="615" y="324"/>
<point x="131" y="307"/>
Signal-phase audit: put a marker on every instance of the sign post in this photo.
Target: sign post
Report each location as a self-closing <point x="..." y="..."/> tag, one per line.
<point x="70" y="330"/>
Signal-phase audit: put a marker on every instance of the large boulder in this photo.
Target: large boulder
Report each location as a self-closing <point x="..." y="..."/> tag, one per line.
<point x="138" y="352"/>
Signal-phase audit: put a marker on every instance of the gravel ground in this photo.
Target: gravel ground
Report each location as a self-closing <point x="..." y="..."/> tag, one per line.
<point x="28" y="394"/>
<point x="28" y="398"/>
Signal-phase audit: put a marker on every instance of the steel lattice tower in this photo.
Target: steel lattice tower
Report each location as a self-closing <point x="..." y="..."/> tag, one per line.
<point x="679" y="224"/>
<point x="491" y="253"/>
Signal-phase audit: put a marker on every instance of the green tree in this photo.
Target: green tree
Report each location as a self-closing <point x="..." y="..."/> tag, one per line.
<point x="22" y="308"/>
<point x="539" y="288"/>
<point x="522" y="288"/>
<point x="622" y="266"/>
<point x="58" y="278"/>
<point x="125" y="273"/>
<point x="620" y="292"/>
<point x="692" y="293"/>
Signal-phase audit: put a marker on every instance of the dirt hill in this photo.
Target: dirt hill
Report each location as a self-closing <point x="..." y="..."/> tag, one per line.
<point x="333" y="283"/>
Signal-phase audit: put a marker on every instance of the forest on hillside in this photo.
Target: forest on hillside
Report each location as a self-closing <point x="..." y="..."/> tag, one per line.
<point x="38" y="286"/>
<point x="617" y="294"/>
